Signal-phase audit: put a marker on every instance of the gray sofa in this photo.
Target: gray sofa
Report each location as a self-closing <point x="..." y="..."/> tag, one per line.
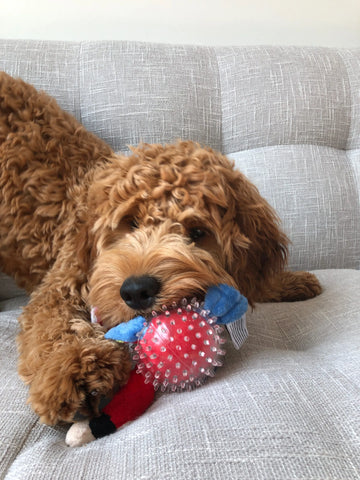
<point x="287" y="405"/>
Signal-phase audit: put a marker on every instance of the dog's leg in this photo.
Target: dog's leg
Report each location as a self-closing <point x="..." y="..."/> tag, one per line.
<point x="65" y="359"/>
<point x="290" y="287"/>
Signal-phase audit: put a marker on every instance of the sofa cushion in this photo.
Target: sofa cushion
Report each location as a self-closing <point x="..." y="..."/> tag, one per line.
<point x="315" y="191"/>
<point x="49" y="66"/>
<point x="294" y="110"/>
<point x="283" y="407"/>
<point x="150" y="93"/>
<point x="280" y="96"/>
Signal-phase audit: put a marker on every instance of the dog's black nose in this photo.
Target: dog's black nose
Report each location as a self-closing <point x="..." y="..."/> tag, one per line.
<point x="139" y="292"/>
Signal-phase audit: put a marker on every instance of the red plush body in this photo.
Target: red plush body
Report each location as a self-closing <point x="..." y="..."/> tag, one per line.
<point x="130" y="401"/>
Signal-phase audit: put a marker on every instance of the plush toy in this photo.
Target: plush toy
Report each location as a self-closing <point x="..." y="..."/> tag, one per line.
<point x="176" y="350"/>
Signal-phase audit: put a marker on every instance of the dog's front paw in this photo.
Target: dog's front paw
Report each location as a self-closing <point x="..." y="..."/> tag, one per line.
<point x="76" y="376"/>
<point x="226" y="303"/>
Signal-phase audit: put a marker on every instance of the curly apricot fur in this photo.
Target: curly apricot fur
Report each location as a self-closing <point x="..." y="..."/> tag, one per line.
<point x="77" y="220"/>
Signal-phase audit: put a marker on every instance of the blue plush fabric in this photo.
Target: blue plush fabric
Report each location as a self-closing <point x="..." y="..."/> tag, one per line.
<point x="226" y="303"/>
<point x="126" y="332"/>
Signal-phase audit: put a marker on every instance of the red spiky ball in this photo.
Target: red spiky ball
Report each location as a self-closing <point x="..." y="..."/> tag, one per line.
<point x="179" y="348"/>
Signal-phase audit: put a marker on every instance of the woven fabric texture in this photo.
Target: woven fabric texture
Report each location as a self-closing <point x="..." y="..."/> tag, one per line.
<point x="282" y="113"/>
<point x="286" y="405"/>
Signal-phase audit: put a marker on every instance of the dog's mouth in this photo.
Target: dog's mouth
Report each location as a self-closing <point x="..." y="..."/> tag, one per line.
<point x="143" y="294"/>
<point x="156" y="305"/>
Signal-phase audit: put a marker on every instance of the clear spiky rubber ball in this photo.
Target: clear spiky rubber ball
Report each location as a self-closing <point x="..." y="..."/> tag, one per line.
<point x="180" y="347"/>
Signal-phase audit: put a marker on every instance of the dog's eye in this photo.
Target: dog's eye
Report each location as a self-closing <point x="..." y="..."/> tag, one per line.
<point x="133" y="223"/>
<point x="130" y="222"/>
<point x="196" y="234"/>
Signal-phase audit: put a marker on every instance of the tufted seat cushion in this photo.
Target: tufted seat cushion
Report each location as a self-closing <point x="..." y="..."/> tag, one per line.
<point x="286" y="406"/>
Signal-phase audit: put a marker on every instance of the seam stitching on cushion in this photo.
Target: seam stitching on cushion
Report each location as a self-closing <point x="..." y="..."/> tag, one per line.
<point x="79" y="79"/>
<point x="347" y="149"/>
<point x="215" y="51"/>
<point x="348" y="86"/>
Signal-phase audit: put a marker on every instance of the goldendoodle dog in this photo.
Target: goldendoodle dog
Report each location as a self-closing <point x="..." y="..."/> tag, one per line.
<point x="80" y="226"/>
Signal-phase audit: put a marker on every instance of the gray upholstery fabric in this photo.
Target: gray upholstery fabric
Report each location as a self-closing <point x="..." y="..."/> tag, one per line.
<point x="150" y="93"/>
<point x="299" y="105"/>
<point x="52" y="67"/>
<point x="304" y="97"/>
<point x="286" y="406"/>
<point x="315" y="191"/>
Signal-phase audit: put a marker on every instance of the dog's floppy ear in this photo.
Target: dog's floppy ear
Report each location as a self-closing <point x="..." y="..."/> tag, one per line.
<point x="86" y="245"/>
<point x="109" y="199"/>
<point x="259" y="247"/>
<point x="94" y="221"/>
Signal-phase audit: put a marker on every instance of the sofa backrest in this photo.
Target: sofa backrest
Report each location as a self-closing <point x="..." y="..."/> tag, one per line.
<point x="288" y="116"/>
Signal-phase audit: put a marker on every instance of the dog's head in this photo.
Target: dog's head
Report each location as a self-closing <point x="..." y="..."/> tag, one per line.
<point x="170" y="221"/>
